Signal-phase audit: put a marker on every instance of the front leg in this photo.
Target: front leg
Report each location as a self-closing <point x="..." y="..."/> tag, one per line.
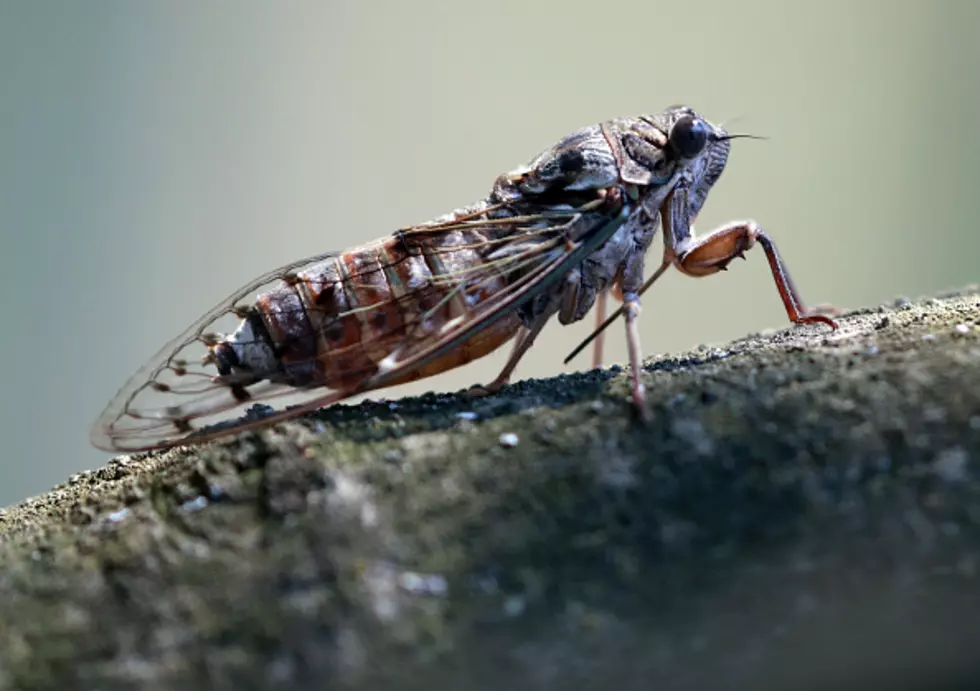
<point x="704" y="256"/>
<point x="708" y="255"/>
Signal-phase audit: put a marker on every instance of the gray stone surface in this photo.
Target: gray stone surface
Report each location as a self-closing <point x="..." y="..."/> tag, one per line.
<point x="803" y="512"/>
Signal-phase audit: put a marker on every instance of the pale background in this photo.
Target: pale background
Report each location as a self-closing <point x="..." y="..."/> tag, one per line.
<point x="154" y="156"/>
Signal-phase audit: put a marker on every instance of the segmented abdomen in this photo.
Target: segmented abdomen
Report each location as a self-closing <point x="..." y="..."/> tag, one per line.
<point x="334" y="323"/>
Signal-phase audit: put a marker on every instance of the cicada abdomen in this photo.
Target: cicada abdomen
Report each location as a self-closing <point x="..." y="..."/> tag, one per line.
<point x="339" y="321"/>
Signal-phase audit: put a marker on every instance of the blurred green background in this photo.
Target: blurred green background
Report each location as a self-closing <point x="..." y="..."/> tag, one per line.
<point x="154" y="156"/>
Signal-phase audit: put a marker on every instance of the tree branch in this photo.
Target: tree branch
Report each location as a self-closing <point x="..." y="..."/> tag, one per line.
<point x="800" y="513"/>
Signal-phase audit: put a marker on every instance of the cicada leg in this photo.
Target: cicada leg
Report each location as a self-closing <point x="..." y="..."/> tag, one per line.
<point x="600" y="316"/>
<point x="704" y="256"/>
<point x="524" y="341"/>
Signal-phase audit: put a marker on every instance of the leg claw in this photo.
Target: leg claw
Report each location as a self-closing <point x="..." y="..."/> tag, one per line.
<point x="480" y="391"/>
<point x="822" y="314"/>
<point x="643" y="413"/>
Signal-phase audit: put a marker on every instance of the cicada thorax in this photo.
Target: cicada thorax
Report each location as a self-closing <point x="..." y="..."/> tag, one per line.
<point x="339" y="322"/>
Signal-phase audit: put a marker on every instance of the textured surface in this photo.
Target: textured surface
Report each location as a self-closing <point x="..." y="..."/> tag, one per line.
<point x="803" y="512"/>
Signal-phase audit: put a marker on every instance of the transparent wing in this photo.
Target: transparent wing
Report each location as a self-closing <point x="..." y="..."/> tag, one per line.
<point x="180" y="397"/>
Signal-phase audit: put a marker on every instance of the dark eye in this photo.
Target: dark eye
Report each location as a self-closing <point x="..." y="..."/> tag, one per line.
<point x="688" y="136"/>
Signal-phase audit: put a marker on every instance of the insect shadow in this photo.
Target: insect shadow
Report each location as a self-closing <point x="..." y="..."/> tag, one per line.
<point x="372" y="419"/>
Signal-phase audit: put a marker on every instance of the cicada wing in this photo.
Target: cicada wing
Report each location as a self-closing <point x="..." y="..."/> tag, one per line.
<point x="139" y="418"/>
<point x="178" y="398"/>
<point x="552" y="262"/>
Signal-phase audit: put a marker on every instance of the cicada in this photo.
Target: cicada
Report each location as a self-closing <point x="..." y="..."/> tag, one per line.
<point x="554" y="237"/>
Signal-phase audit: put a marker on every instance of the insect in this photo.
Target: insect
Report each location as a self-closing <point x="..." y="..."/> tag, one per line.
<point x="554" y="237"/>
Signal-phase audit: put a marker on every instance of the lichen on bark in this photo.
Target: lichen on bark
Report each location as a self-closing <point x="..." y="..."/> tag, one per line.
<point x="801" y="512"/>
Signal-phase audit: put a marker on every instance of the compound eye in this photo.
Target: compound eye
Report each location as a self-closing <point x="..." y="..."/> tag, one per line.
<point x="688" y="136"/>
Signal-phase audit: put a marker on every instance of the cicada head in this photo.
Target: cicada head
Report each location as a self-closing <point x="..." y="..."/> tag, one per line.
<point x="694" y="148"/>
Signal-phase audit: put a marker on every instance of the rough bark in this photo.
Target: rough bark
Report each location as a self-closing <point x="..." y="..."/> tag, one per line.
<point x="802" y="512"/>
